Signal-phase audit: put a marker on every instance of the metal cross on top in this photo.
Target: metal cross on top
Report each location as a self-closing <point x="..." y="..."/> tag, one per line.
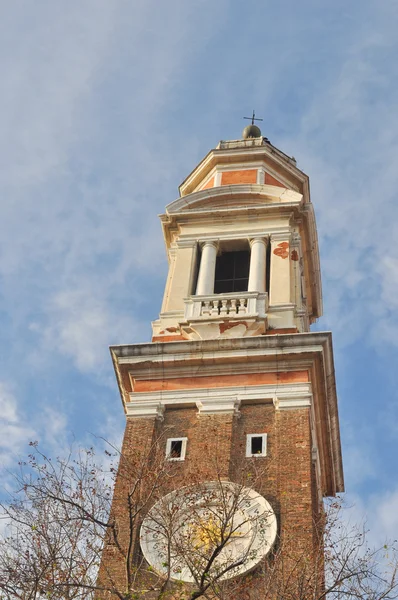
<point x="253" y="118"/>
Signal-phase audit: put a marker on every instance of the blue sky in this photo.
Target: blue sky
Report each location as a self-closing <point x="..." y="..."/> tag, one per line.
<point x="106" y="106"/>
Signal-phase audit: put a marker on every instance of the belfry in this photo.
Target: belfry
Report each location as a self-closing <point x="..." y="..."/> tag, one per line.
<point x="231" y="409"/>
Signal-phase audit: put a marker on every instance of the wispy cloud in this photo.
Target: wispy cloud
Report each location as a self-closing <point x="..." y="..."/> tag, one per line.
<point x="378" y="515"/>
<point x="15" y="429"/>
<point x="348" y="144"/>
<point x="76" y="220"/>
<point x="81" y="326"/>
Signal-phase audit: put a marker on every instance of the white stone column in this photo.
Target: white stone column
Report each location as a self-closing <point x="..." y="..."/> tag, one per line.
<point x="207" y="269"/>
<point x="258" y="266"/>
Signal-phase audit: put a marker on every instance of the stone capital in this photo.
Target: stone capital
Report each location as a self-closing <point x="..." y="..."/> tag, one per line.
<point x="214" y="243"/>
<point x="264" y="239"/>
<point x="145" y="410"/>
<point x="190" y="243"/>
<point x="218" y="405"/>
<point x="281" y="236"/>
<point x="292" y="402"/>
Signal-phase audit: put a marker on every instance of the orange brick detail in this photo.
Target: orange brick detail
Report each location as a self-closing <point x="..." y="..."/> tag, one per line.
<point x="209" y="184"/>
<point x="217" y="381"/>
<point x="283" y="331"/>
<point x="269" y="180"/>
<point x="235" y="177"/>
<point x="168" y="338"/>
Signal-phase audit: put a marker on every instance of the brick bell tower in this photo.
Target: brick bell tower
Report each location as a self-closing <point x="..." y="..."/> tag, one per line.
<point x="234" y="382"/>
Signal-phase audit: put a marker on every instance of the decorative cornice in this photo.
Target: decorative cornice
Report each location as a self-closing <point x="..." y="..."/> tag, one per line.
<point x="292" y="402"/>
<point x="143" y="410"/>
<point x="185" y="242"/>
<point x="218" y="406"/>
<point x="225" y="399"/>
<point x="171" y="314"/>
<point x="259" y="190"/>
<point x="251" y="232"/>
<point x="164" y="358"/>
<point x="281" y="236"/>
<point x="186" y="370"/>
<point x="281" y="307"/>
<point x="261" y="346"/>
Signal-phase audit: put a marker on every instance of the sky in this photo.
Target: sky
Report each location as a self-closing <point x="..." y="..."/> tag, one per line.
<point x="106" y="106"/>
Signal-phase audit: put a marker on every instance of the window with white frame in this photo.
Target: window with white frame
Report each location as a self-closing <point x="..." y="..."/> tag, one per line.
<point x="176" y="448"/>
<point x="256" y="444"/>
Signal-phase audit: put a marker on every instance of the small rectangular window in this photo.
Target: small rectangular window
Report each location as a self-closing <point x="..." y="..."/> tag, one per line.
<point x="176" y="448"/>
<point x="256" y="444"/>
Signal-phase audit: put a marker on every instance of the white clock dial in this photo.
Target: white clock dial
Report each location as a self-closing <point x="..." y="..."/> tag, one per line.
<point x="183" y="530"/>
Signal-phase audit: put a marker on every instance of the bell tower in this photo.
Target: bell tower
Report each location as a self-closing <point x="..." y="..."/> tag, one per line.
<point x="242" y="247"/>
<point x="234" y="390"/>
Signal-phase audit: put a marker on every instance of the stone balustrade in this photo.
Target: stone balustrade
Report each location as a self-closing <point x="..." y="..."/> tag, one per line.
<point x="231" y="305"/>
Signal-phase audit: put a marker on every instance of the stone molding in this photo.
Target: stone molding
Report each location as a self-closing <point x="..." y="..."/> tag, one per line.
<point x="187" y="371"/>
<point x="292" y="402"/>
<point x="187" y="202"/>
<point x="281" y="307"/>
<point x="186" y="240"/>
<point x="220" y="400"/>
<point x="281" y="236"/>
<point x="144" y="410"/>
<point x="213" y="406"/>
<point x="217" y="178"/>
<point x="283" y="344"/>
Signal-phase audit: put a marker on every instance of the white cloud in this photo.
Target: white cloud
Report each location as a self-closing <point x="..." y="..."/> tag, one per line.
<point x="81" y="325"/>
<point x="54" y="427"/>
<point x="386" y="514"/>
<point x="348" y="145"/>
<point x="15" y="431"/>
<point x="85" y="163"/>
<point x="45" y="79"/>
<point x="378" y="513"/>
<point x="67" y="190"/>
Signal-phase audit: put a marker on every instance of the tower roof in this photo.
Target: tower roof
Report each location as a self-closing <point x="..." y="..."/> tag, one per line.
<point x="244" y="151"/>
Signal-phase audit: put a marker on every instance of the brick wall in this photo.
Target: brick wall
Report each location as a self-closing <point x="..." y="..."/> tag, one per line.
<point x="217" y="447"/>
<point x="137" y="449"/>
<point x="269" y="180"/>
<point x="209" y="184"/>
<point x="236" y="177"/>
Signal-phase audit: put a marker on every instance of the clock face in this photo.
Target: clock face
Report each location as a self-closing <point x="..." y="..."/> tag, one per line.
<point x="187" y="528"/>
